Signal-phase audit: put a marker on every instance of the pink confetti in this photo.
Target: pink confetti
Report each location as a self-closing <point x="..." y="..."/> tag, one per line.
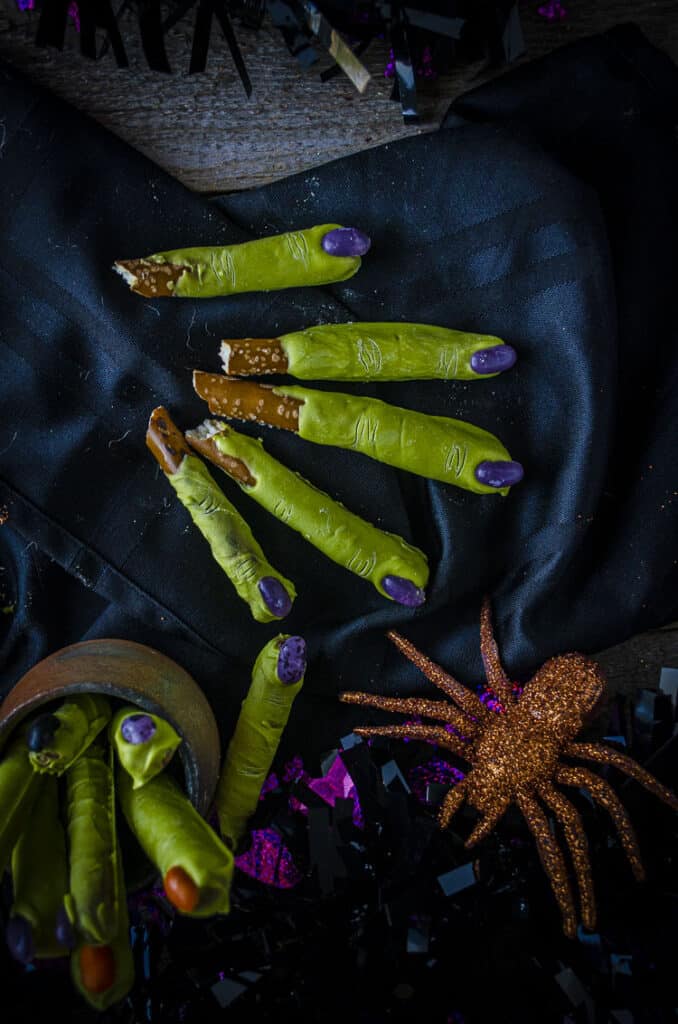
<point x="269" y="861"/>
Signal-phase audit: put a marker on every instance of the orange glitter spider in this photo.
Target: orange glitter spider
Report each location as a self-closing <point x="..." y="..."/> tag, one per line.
<point x="515" y="757"/>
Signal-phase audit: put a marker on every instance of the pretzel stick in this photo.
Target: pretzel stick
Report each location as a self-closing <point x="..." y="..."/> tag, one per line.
<point x="314" y="256"/>
<point x="436" y="447"/>
<point x="370" y="351"/>
<point x="268" y="593"/>
<point x="398" y="570"/>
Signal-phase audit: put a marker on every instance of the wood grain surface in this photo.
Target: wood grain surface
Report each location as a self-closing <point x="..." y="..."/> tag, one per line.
<point x="204" y="131"/>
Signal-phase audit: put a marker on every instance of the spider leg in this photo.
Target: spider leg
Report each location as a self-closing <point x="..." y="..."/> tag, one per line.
<point x="440" y="709"/>
<point x="552" y="860"/>
<point x="454" y="798"/>
<point x="485" y="826"/>
<point x="606" y="755"/>
<point x="457" y="692"/>
<point x="575" y="837"/>
<point x="497" y="679"/>
<point x="436" y="733"/>
<point x="602" y="792"/>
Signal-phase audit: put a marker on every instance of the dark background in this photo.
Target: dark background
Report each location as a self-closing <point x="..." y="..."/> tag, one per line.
<point x="545" y="211"/>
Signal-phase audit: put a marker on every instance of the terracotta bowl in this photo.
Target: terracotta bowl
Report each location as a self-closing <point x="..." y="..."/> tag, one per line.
<point x="135" y="674"/>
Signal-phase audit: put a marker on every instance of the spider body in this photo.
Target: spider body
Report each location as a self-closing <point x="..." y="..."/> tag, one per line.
<point x="516" y="757"/>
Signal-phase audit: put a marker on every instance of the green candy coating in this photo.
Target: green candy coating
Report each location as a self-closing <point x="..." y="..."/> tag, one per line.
<point x="143" y="761"/>
<point x="344" y="537"/>
<point x="228" y="535"/>
<point x="19" y="788"/>
<point x="81" y="719"/>
<point x="172" y="834"/>
<point x="40" y="870"/>
<point x="292" y="260"/>
<point x="263" y="717"/>
<point x="383" y="351"/>
<point x="120" y="947"/>
<point x="435" y="447"/>
<point x="92" y="901"/>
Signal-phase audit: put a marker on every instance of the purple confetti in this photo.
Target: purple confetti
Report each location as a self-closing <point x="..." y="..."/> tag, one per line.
<point x="269" y="785"/>
<point x="269" y="861"/>
<point x="433" y="772"/>
<point x="553" y="10"/>
<point x="490" y="699"/>
<point x="424" y="66"/>
<point x="338" y="784"/>
<point x="74" y="15"/>
<point x="294" y="770"/>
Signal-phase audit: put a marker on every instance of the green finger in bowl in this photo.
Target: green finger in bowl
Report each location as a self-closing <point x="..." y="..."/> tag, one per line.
<point x="39" y="880"/>
<point x="143" y="742"/>
<point x="196" y="867"/>
<point x="57" y="738"/>
<point x="94" y="886"/>
<point x="19" y="788"/>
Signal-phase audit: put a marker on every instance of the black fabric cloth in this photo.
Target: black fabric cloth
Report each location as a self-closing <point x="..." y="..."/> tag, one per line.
<point x="544" y="211"/>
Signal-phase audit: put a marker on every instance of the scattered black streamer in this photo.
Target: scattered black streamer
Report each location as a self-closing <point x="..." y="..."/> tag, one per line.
<point x="447" y="30"/>
<point x="208" y="9"/>
<point x="152" y="38"/>
<point x="405" y="87"/>
<point x="52" y="24"/>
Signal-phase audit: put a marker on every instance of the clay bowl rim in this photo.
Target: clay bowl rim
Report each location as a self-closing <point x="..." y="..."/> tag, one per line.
<point x="200" y="748"/>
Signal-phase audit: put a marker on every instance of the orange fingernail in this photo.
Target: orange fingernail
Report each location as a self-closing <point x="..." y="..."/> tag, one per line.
<point x="181" y="890"/>
<point x="97" y="968"/>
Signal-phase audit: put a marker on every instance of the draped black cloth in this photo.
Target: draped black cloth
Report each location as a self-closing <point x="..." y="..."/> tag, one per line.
<point x="544" y="211"/>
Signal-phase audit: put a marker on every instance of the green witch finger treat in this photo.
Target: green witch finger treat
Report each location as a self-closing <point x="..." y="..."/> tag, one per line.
<point x="397" y="570"/>
<point x="195" y="866"/>
<point x="436" y="447"/>
<point x="104" y="974"/>
<point x="39" y="881"/>
<point x="268" y="593"/>
<point x="57" y="738"/>
<point x="19" y="787"/>
<point x="91" y="903"/>
<point x="277" y="678"/>
<point x="370" y="351"/>
<point x="313" y="256"/>
<point x="144" y="743"/>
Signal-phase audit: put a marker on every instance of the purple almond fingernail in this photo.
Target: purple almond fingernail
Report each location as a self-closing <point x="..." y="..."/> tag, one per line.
<point x="292" y="659"/>
<point x="19" y="936"/>
<point x="499" y="474"/>
<point x="346" y="242"/>
<point x="403" y="591"/>
<point x="493" y="360"/>
<point x="276" y="598"/>
<point x="63" y="930"/>
<point x="138" y="729"/>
